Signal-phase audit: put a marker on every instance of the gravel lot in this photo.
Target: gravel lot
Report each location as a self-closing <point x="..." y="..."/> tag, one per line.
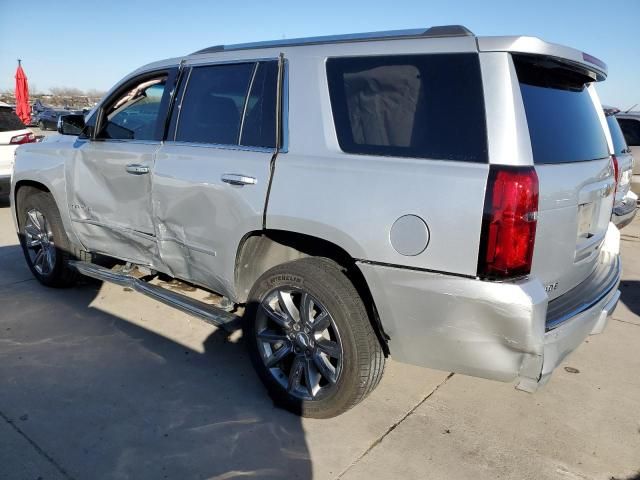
<point x="99" y="382"/>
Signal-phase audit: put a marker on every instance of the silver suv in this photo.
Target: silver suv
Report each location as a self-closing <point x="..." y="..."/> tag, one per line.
<point x="428" y="194"/>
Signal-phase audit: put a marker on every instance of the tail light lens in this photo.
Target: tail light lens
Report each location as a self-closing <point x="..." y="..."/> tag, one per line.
<point x="509" y="223"/>
<point x="616" y="172"/>
<point x="24" y="138"/>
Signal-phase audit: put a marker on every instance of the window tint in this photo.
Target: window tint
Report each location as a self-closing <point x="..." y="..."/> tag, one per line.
<point x="9" y="121"/>
<point x="631" y="130"/>
<point x="428" y="106"/>
<point x="134" y="116"/>
<point x="259" y="124"/>
<point x="564" y="125"/>
<point x="619" y="145"/>
<point x="213" y="103"/>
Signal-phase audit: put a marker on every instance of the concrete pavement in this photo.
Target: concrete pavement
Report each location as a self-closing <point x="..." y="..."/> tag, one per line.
<point x="99" y="382"/>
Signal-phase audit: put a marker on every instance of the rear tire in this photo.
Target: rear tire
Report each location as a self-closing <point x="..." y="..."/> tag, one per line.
<point x="42" y="126"/>
<point x="319" y="364"/>
<point x="44" y="241"/>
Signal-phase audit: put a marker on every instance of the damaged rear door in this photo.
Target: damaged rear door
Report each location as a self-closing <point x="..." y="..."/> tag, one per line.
<point x="212" y="174"/>
<point x="110" y="176"/>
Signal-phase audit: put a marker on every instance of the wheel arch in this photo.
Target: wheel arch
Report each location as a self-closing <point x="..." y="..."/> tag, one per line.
<point x="262" y="250"/>
<point x="22" y="189"/>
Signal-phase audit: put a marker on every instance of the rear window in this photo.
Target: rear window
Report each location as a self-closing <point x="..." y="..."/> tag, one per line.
<point x="564" y="125"/>
<point x="9" y="121"/>
<point x="426" y="106"/>
<point x="619" y="144"/>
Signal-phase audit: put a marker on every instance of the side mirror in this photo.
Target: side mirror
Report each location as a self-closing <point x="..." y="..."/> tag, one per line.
<point x="71" y="124"/>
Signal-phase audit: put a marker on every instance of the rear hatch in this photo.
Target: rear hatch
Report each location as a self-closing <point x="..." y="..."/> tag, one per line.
<point x="574" y="168"/>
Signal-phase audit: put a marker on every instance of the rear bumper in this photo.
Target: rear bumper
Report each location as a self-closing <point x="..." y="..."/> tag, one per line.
<point x="625" y="211"/>
<point x="485" y="329"/>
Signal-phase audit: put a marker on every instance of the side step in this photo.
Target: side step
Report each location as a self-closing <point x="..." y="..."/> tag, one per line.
<point x="209" y="313"/>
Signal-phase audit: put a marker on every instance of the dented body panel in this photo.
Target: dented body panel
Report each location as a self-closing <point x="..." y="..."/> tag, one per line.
<point x="200" y="219"/>
<point x="110" y="209"/>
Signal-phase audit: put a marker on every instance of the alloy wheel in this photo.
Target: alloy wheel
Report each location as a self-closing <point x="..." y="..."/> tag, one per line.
<point x="299" y="343"/>
<point x="39" y="242"/>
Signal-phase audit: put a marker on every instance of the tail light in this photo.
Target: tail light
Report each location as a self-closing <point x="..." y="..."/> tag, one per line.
<point x="24" y="138"/>
<point x="616" y="173"/>
<point x="508" y="223"/>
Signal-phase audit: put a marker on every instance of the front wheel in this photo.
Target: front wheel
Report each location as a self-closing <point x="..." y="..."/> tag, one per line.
<point x="44" y="241"/>
<point x="41" y="125"/>
<point x="310" y="338"/>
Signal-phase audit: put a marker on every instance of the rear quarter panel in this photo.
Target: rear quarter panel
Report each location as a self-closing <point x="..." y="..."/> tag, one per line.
<point x="353" y="200"/>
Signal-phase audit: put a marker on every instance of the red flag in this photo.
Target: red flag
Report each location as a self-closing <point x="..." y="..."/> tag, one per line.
<point x="22" y="96"/>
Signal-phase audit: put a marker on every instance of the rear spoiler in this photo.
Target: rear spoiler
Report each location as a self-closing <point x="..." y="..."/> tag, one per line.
<point x="595" y="67"/>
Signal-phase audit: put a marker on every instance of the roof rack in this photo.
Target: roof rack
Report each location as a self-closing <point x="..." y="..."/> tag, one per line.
<point x="437" y="31"/>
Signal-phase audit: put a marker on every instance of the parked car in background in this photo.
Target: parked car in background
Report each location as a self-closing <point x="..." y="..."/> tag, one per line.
<point x="48" y="119"/>
<point x="13" y="133"/>
<point x="630" y="125"/>
<point x="428" y="194"/>
<point x="625" y="206"/>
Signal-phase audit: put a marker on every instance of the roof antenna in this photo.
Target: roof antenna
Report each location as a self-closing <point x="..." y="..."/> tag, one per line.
<point x="19" y="62"/>
<point x="631" y="108"/>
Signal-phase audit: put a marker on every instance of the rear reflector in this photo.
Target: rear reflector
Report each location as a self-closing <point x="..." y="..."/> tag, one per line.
<point x="24" y="138"/>
<point x="508" y="223"/>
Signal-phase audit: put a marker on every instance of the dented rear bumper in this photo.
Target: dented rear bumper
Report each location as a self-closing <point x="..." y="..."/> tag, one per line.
<point x="485" y="329"/>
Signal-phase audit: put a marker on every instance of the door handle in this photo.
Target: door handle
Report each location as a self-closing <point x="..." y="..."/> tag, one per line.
<point x="137" y="169"/>
<point x="237" y="179"/>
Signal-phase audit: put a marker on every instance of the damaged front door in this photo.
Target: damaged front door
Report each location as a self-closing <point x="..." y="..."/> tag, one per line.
<point x="110" y="176"/>
<point x="212" y="175"/>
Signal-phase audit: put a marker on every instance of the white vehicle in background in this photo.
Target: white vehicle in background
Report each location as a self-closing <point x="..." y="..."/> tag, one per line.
<point x="12" y="134"/>
<point x="624" y="209"/>
<point x="630" y="124"/>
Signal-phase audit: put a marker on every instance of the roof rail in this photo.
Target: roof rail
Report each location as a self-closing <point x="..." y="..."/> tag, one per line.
<point x="437" y="31"/>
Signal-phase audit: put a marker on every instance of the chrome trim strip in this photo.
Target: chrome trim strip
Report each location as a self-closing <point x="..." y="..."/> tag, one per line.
<point x="219" y="146"/>
<point x="584" y="306"/>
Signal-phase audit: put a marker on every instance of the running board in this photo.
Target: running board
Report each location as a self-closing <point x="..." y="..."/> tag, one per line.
<point x="209" y="313"/>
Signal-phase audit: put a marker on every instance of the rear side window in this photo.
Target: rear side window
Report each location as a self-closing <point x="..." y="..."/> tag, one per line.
<point x="230" y="104"/>
<point x="564" y="125"/>
<point x="426" y="106"/>
<point x="9" y="121"/>
<point x="631" y="131"/>
<point x="258" y="128"/>
<point x="212" y="106"/>
<point x="619" y="144"/>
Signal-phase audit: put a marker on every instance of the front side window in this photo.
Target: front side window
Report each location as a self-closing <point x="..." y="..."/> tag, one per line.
<point x="135" y="115"/>
<point x="427" y="106"/>
<point x="631" y="130"/>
